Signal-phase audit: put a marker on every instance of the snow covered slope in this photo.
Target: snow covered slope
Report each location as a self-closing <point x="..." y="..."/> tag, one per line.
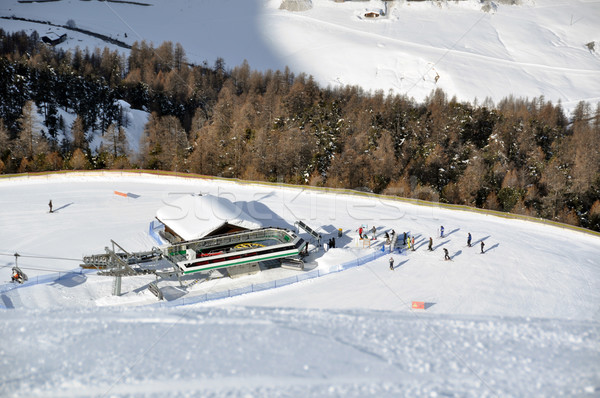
<point x="520" y="320"/>
<point x="536" y="48"/>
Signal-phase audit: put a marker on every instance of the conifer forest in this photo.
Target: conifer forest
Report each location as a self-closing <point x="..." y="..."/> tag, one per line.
<point x="520" y="155"/>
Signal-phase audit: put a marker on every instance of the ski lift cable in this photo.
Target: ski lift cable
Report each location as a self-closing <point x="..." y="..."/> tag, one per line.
<point x="44" y="269"/>
<point x="43" y="257"/>
<point x="446" y="52"/>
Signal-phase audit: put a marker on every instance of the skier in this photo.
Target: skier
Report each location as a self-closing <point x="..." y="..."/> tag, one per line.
<point x="446" y="255"/>
<point x="50" y="205"/>
<point x="412" y="243"/>
<point x="392" y="263"/>
<point x="469" y="240"/>
<point x="16" y="276"/>
<point x="430" y="247"/>
<point x="482" y="244"/>
<point x="360" y="232"/>
<point x="333" y="243"/>
<point x="404" y="239"/>
<point x="387" y="238"/>
<point x="441" y="231"/>
<point x="374" y="231"/>
<point x="408" y="243"/>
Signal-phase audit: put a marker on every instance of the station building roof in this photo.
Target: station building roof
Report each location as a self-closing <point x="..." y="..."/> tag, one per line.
<point x="196" y="216"/>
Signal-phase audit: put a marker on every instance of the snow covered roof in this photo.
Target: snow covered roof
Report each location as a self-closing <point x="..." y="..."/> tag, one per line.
<point x="196" y="216"/>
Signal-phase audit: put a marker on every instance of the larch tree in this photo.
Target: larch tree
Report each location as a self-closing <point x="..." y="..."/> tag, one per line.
<point x="176" y="143"/>
<point x="4" y="140"/>
<point x="294" y="149"/>
<point x="30" y="141"/>
<point x="115" y="141"/>
<point x="4" y="145"/>
<point x="164" y="57"/>
<point x="164" y="144"/>
<point x="205" y="158"/>
<point x="555" y="180"/>
<point x="78" y="160"/>
<point x="78" y="134"/>
<point x="585" y="146"/>
<point x="226" y="123"/>
<point x="384" y="162"/>
<point x="179" y="58"/>
<point x="471" y="180"/>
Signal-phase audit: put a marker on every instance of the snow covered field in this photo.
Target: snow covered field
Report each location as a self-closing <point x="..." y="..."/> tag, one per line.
<point x="539" y="47"/>
<point x="523" y="319"/>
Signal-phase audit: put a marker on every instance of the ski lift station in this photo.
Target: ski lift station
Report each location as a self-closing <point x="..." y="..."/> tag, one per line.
<point x="201" y="234"/>
<point x="192" y="217"/>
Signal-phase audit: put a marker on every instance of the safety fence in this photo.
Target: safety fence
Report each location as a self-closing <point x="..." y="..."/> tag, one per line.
<point x="271" y="284"/>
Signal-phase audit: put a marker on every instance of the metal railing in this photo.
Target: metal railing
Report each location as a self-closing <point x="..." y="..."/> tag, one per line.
<point x="271" y="284"/>
<point x="68" y="275"/>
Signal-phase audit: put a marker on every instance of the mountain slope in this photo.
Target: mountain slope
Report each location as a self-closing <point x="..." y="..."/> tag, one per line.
<point x="524" y="311"/>
<point x="527" y="50"/>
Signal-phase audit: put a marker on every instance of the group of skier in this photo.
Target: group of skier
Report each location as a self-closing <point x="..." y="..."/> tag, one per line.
<point x="363" y="233"/>
<point x="409" y="242"/>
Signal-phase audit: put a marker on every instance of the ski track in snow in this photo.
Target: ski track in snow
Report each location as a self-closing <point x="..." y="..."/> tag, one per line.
<point x="468" y="56"/>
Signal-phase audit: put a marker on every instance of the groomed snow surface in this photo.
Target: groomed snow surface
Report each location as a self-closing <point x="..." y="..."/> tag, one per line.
<point x="522" y="319"/>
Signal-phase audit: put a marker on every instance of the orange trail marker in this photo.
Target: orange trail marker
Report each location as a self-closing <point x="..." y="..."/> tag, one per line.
<point x="418" y="305"/>
<point x="120" y="193"/>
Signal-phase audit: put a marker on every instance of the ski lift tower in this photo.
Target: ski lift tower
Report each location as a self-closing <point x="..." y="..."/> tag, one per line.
<point x="120" y="266"/>
<point x="118" y="262"/>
